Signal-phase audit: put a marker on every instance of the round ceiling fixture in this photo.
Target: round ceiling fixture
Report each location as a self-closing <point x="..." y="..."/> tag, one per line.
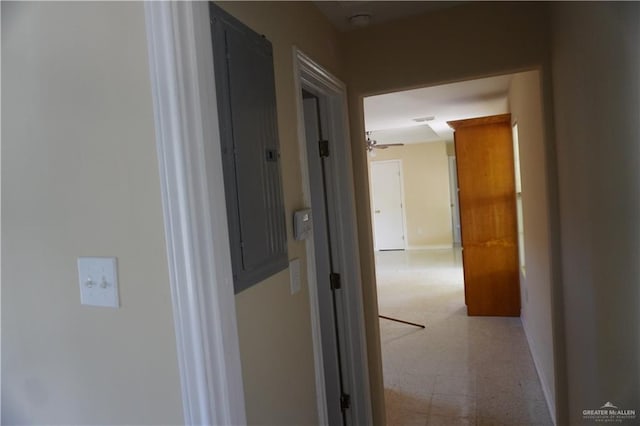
<point x="360" y="19"/>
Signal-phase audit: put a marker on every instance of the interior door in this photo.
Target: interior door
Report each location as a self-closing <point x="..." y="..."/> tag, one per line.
<point x="388" y="215"/>
<point x="484" y="154"/>
<point x="453" y="196"/>
<point x="330" y="300"/>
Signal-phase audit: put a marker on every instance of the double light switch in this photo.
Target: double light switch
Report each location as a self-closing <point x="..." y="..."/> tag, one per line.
<point x="98" y="277"/>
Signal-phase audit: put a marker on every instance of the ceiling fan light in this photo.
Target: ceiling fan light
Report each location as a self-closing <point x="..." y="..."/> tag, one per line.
<point x="370" y="144"/>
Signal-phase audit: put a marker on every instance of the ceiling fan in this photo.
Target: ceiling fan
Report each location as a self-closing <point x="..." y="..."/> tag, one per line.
<point x="373" y="144"/>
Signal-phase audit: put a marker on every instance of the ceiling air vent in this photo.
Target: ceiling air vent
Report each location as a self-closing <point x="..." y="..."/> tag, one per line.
<point x="424" y="119"/>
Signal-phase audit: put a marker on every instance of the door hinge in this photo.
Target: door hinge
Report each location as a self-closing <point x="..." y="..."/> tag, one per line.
<point x="334" y="279"/>
<point x="324" y="148"/>
<point x="345" y="401"/>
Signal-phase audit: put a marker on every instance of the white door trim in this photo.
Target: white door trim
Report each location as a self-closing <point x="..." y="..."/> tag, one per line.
<point x="321" y="394"/>
<point x="195" y="215"/>
<point x="453" y="201"/>
<point x="309" y="74"/>
<point x="405" y="243"/>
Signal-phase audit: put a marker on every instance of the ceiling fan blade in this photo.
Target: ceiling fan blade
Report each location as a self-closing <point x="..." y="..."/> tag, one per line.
<point x="387" y="145"/>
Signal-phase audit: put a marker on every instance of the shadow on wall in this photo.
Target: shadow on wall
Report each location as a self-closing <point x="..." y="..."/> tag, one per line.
<point x="11" y="410"/>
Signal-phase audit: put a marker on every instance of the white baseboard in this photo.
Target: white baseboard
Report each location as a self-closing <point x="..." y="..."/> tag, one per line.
<point x="429" y="247"/>
<point x="551" y="405"/>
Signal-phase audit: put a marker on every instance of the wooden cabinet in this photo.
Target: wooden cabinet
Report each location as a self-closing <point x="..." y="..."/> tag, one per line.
<point x="484" y="155"/>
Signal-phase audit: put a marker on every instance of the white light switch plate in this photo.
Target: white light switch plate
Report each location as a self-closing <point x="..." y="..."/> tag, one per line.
<point x="98" y="278"/>
<point x="294" y="274"/>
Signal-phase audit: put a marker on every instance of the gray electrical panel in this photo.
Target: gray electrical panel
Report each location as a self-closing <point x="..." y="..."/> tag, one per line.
<point x="245" y="89"/>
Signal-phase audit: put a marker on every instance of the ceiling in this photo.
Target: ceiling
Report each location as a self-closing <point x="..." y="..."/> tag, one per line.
<point x="390" y="117"/>
<point x="338" y="12"/>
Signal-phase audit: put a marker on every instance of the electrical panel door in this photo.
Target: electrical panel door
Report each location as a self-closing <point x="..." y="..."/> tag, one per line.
<point x="245" y="89"/>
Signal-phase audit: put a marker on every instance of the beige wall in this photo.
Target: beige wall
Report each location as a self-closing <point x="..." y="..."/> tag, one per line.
<point x="80" y="177"/>
<point x="425" y="170"/>
<point x="274" y="326"/>
<point x="535" y="285"/>
<point x="81" y="122"/>
<point x="463" y="42"/>
<point x="596" y="64"/>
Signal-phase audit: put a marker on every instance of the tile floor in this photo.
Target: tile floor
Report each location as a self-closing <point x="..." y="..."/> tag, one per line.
<point x="460" y="370"/>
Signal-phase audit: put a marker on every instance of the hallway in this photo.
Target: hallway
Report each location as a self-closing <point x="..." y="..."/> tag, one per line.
<point x="459" y="370"/>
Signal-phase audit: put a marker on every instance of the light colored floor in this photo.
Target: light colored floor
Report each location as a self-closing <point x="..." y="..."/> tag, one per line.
<point x="460" y="370"/>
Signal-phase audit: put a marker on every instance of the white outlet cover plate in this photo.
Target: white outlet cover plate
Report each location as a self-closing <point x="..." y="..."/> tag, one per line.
<point x="294" y="274"/>
<point x="98" y="278"/>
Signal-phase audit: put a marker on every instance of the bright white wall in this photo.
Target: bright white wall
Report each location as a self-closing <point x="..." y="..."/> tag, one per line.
<point x="526" y="110"/>
<point x="596" y="87"/>
<point x="80" y="177"/>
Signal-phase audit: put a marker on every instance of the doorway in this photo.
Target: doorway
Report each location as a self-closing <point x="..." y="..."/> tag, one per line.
<point x="330" y="298"/>
<point x="333" y="276"/>
<point x="453" y="194"/>
<point x="455" y="369"/>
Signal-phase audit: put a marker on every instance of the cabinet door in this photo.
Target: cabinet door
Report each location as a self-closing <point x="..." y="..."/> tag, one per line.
<point x="484" y="153"/>
<point x="245" y="86"/>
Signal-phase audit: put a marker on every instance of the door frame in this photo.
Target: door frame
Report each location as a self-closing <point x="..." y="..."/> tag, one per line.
<point x="311" y="76"/>
<point x="194" y="210"/>
<point x="454" y="201"/>
<point x="402" y="201"/>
